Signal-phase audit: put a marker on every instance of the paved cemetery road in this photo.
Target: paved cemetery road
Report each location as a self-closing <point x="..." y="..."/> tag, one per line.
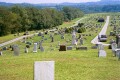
<point x="103" y="31"/>
<point x="76" y="23"/>
<point x="14" y="40"/>
<point x="17" y="39"/>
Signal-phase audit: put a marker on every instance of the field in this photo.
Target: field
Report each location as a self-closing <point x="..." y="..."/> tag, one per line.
<point x="69" y="65"/>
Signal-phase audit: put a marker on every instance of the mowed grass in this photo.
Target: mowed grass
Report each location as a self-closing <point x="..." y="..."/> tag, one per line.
<point x="69" y="65"/>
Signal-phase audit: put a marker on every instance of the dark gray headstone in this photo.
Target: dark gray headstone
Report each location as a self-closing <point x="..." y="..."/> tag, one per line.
<point x="118" y="45"/>
<point x="69" y="47"/>
<point x="16" y="50"/>
<point x="41" y="49"/>
<point x="81" y="41"/>
<point x="52" y="39"/>
<point x="4" y="48"/>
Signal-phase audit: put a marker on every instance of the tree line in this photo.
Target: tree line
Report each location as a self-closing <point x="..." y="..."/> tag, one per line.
<point x="19" y="19"/>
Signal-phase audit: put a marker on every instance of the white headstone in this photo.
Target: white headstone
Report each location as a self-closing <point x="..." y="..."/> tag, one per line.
<point x="35" y="47"/>
<point x="102" y="53"/>
<point x="74" y="42"/>
<point x="44" y="70"/>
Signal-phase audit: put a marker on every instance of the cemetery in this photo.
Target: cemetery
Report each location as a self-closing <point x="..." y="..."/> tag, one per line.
<point x="55" y="54"/>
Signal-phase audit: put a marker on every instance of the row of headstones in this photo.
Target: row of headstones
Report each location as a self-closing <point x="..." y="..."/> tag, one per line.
<point x="15" y="48"/>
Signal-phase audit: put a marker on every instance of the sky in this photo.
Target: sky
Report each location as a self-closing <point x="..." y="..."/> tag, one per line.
<point x="46" y="1"/>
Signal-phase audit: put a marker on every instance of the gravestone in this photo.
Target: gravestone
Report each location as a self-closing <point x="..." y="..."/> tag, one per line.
<point x="52" y="39"/>
<point x="118" y="45"/>
<point x="62" y="48"/>
<point x="81" y="48"/>
<point x="40" y="46"/>
<point x="39" y="34"/>
<point x="111" y="33"/>
<point x="69" y="47"/>
<point x="117" y="53"/>
<point x="100" y="47"/>
<point x="0" y="53"/>
<point x="41" y="49"/>
<point x="62" y="36"/>
<point x="74" y="42"/>
<point x="24" y="40"/>
<point x="4" y="48"/>
<point x="35" y="47"/>
<point x="81" y="41"/>
<point x="114" y="47"/>
<point x="117" y="39"/>
<point x="101" y="52"/>
<point x="58" y="43"/>
<point x="26" y="50"/>
<point x="44" y="70"/>
<point x="16" y="50"/>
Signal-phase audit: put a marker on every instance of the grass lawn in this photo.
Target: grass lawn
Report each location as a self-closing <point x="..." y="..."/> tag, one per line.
<point x="69" y="65"/>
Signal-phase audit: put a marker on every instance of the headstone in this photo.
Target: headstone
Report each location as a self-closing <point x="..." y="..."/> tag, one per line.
<point x="114" y="47"/>
<point x="40" y="46"/>
<point x="35" y="47"/>
<point x="62" y="36"/>
<point x="4" y="48"/>
<point x="0" y="53"/>
<point x="16" y="50"/>
<point x="74" y="42"/>
<point x="24" y="40"/>
<point x="26" y="50"/>
<point x="100" y="47"/>
<point x="58" y="43"/>
<point x="101" y="52"/>
<point x="111" y="33"/>
<point x="52" y="39"/>
<point x="118" y="45"/>
<point x="41" y="49"/>
<point x="39" y="34"/>
<point x="81" y="48"/>
<point x="117" y="39"/>
<point x="62" y="48"/>
<point x="81" y="41"/>
<point x="44" y="70"/>
<point x="69" y="47"/>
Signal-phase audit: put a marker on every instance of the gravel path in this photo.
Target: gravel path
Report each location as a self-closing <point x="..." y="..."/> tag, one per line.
<point x="103" y="31"/>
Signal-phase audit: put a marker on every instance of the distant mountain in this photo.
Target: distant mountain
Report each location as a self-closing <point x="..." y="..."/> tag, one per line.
<point x="89" y="7"/>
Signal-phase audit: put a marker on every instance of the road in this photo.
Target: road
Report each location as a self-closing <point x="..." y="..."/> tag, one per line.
<point x="14" y="40"/>
<point x="103" y="31"/>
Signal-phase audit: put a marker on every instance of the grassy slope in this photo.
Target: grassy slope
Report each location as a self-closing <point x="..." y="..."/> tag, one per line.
<point x="69" y="65"/>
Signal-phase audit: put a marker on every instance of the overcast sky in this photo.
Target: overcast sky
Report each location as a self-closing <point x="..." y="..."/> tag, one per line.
<point x="46" y="1"/>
